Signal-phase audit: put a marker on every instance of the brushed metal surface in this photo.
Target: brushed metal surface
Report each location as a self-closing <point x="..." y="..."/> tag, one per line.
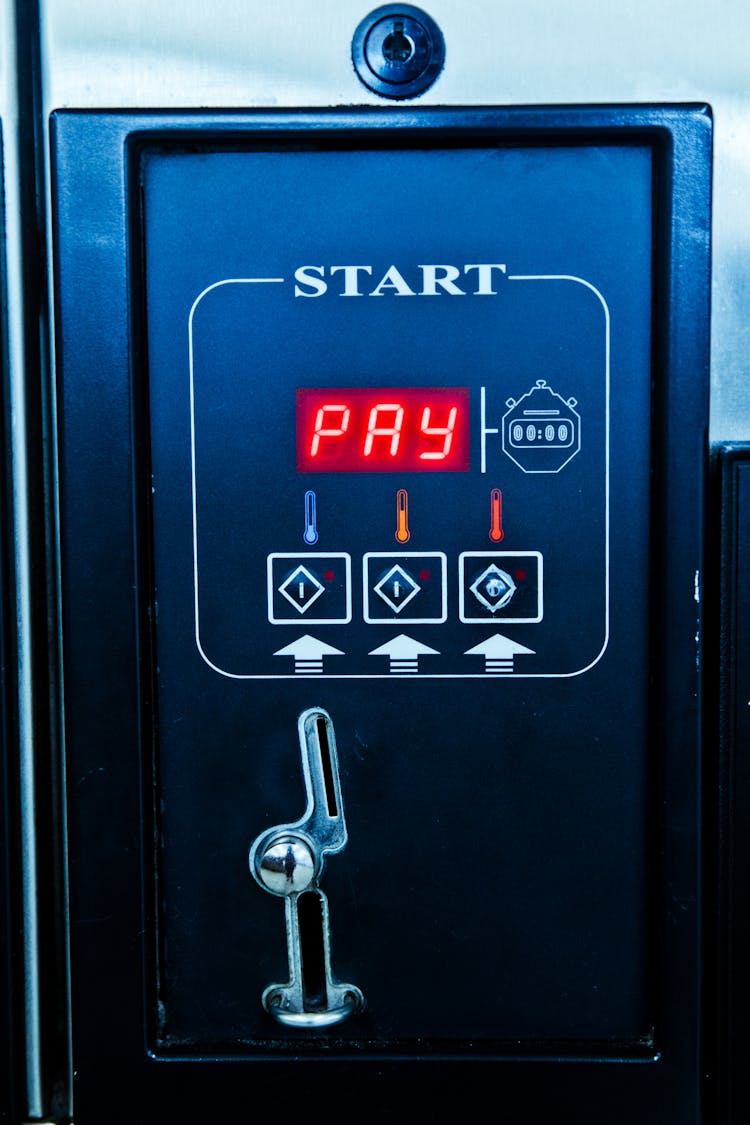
<point x="16" y="384"/>
<point x="7" y="71"/>
<point x="297" y="52"/>
<point x="141" y="54"/>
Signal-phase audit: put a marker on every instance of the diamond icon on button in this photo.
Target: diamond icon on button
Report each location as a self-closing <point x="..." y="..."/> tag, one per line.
<point x="493" y="588"/>
<point x="397" y="588"/>
<point x="301" y="589"/>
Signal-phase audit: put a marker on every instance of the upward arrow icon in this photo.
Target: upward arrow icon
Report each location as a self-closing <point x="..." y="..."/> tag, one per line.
<point x="404" y="653"/>
<point x="499" y="653"/>
<point x="308" y="653"/>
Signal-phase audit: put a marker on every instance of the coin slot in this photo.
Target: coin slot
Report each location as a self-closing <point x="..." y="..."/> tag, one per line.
<point x="312" y="952"/>
<point x="327" y="767"/>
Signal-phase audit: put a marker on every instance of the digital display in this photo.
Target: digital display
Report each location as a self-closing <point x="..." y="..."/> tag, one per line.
<point x="382" y="429"/>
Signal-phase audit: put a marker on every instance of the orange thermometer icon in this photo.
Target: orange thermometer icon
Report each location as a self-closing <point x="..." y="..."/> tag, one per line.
<point x="402" y="516"/>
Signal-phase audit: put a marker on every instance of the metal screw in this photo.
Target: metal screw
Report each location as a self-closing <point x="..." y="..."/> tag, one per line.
<point x="287" y="866"/>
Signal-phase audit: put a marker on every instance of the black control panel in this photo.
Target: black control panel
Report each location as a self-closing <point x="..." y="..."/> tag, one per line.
<point x="368" y="473"/>
<point x="378" y="446"/>
<point x="399" y="740"/>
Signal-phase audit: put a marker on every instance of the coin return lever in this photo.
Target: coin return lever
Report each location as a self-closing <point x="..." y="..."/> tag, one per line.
<point x="287" y="860"/>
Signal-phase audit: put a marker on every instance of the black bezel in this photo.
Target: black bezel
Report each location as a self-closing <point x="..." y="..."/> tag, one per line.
<point x="108" y="696"/>
<point x="728" y="780"/>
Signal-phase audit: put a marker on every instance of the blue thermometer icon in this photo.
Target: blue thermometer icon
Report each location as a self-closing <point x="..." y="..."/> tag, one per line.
<point x="310" y="535"/>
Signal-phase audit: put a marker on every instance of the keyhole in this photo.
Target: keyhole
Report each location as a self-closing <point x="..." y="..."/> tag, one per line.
<point x="398" y="47"/>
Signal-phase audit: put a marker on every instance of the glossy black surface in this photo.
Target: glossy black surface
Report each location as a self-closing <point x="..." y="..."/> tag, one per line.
<point x="498" y="831"/>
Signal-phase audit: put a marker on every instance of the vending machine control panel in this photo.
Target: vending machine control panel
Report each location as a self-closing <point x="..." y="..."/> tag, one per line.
<point x="412" y="401"/>
<point x="389" y="430"/>
<point x="399" y="453"/>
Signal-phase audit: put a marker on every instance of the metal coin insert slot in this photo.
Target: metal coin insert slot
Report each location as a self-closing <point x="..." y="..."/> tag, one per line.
<point x="287" y="860"/>
<point x="310" y="919"/>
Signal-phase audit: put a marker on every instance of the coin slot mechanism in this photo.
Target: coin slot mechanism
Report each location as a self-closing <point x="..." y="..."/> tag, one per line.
<point x="327" y="768"/>
<point x="288" y="860"/>
<point x="312" y="952"/>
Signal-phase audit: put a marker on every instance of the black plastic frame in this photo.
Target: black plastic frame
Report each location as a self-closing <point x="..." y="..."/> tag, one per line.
<point x="728" y="782"/>
<point x="109" y="718"/>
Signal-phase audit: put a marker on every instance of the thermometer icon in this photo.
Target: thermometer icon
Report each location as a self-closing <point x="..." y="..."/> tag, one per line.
<point x="403" y="534"/>
<point x="310" y="534"/>
<point x="496" y="516"/>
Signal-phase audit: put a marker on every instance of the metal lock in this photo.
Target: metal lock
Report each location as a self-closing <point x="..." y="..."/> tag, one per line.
<point x="398" y="51"/>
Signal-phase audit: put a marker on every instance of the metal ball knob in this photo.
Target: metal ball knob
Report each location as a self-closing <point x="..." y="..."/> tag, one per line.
<point x="287" y="866"/>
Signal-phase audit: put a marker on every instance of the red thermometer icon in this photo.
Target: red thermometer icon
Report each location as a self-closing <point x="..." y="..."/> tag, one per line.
<point x="496" y="516"/>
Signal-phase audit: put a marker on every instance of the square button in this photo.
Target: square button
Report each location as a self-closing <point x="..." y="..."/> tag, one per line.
<point x="500" y="586"/>
<point x="309" y="589"/>
<point x="407" y="587"/>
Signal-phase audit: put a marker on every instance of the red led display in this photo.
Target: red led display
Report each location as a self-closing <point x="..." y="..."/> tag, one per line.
<point x="383" y="429"/>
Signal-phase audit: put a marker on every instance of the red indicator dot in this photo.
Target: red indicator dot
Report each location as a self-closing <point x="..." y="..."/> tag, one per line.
<point x="424" y="575"/>
<point x="329" y="576"/>
<point x="521" y="575"/>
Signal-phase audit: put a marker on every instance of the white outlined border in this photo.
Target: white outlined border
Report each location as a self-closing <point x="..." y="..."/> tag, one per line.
<point x="500" y="620"/>
<point x="428" y="675"/>
<point x="398" y="556"/>
<point x="303" y="620"/>
<point x="196" y="596"/>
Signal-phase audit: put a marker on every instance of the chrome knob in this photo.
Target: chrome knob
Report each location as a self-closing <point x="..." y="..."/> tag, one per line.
<point x="287" y="866"/>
